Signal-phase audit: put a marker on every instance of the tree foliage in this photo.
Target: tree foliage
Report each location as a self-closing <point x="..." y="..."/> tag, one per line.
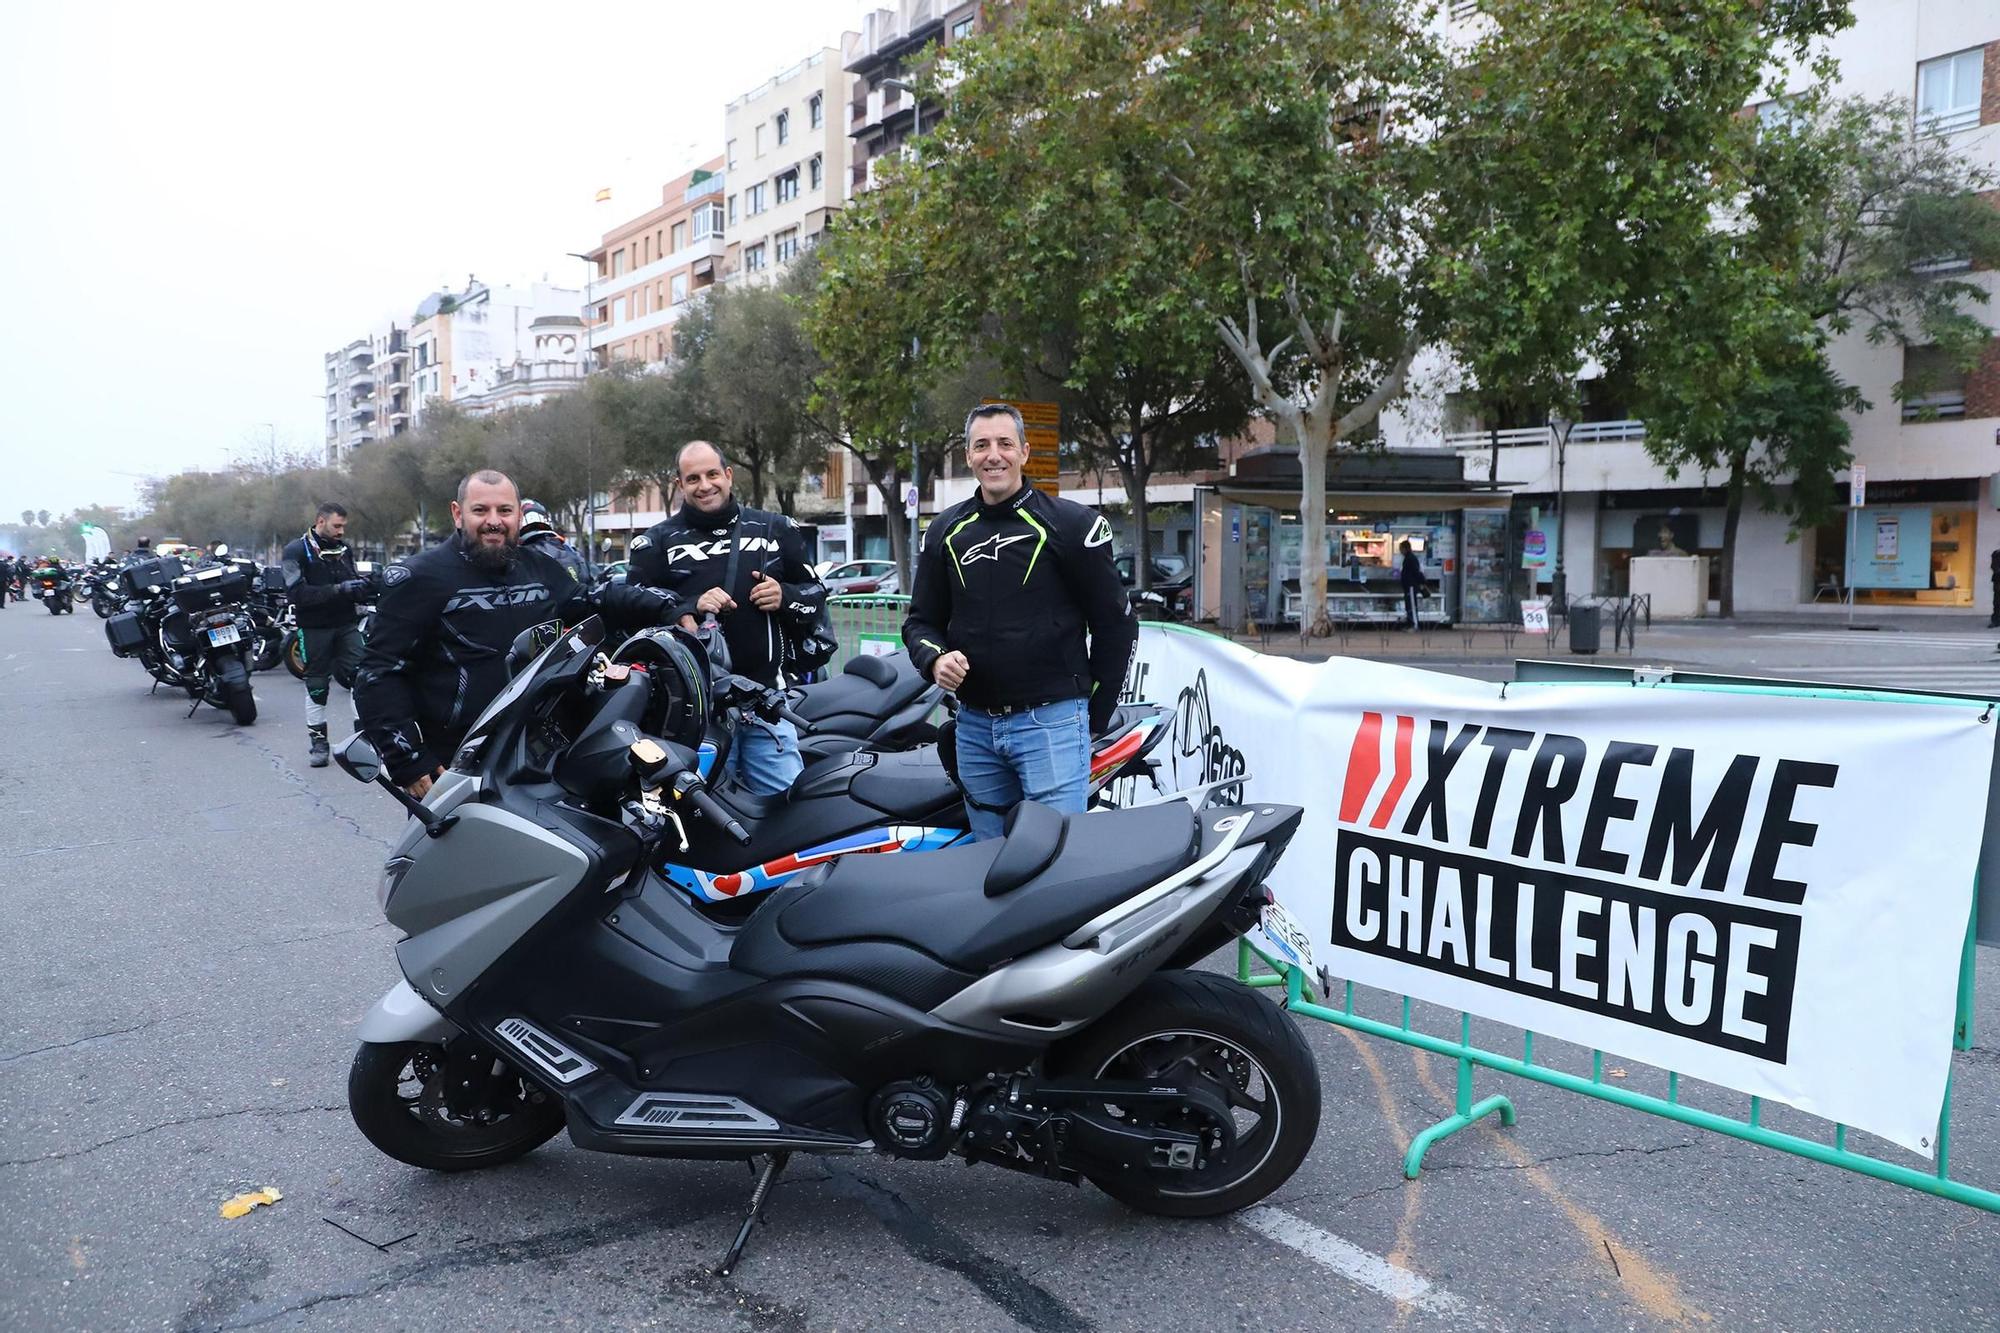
<point x="1837" y="229"/>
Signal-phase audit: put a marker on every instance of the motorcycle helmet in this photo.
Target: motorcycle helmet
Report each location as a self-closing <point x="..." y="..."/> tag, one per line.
<point x="677" y="672"/>
<point x="534" y="519"/>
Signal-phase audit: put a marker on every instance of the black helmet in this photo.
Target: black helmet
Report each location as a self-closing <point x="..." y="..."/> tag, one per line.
<point x="677" y="670"/>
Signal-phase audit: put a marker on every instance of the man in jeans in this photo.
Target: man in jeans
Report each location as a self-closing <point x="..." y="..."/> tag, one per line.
<point x="320" y="579"/>
<point x="1018" y="609"/>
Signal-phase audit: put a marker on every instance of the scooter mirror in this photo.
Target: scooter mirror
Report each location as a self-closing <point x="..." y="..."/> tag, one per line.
<point x="357" y="758"/>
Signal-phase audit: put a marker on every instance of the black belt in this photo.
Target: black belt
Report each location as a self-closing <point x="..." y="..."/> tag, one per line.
<point x="1008" y="710"/>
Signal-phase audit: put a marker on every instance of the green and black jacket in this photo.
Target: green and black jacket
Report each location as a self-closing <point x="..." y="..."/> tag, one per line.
<point x="1027" y="591"/>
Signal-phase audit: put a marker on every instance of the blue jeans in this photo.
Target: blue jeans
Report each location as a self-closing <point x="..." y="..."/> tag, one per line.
<point x="1039" y="754"/>
<point x="764" y="756"/>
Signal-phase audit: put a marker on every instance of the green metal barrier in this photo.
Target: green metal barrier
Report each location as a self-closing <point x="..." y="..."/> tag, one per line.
<point x="1299" y="999"/>
<point x="867" y="622"/>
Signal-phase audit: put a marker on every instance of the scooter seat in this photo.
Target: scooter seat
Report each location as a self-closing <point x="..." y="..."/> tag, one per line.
<point x="937" y="904"/>
<point x="866" y="688"/>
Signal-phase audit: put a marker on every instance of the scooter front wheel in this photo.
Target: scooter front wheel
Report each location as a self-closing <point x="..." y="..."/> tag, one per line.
<point x="396" y="1094"/>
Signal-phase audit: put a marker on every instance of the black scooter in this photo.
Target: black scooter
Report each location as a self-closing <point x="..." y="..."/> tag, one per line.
<point x="1019" y="1002"/>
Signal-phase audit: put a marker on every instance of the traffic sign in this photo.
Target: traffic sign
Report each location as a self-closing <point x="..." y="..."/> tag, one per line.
<point x="1857" y="489"/>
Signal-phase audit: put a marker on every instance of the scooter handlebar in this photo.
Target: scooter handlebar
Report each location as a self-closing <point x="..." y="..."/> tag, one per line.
<point x="712" y="810"/>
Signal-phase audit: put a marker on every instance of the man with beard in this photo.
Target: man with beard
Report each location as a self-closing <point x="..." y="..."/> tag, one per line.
<point x="321" y="580"/>
<point x="437" y="654"/>
<point x="748" y="569"/>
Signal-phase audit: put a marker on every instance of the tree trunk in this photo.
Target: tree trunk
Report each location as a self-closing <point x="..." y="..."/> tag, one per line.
<point x="1133" y="472"/>
<point x="1738" y="469"/>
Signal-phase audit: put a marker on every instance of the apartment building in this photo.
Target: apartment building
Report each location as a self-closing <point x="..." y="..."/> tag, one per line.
<point x="882" y="117"/>
<point x="367" y="391"/>
<point x="787" y="149"/>
<point x="460" y="343"/>
<point x="649" y="268"/>
<point x="1932" y="495"/>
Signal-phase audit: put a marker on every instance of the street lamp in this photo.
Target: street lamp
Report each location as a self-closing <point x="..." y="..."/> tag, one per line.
<point x="916" y="347"/>
<point x="589" y="423"/>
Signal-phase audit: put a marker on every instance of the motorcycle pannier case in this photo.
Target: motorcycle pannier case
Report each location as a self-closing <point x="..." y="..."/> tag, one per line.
<point x="125" y="633"/>
<point x="211" y="588"/>
<point x="159" y="572"/>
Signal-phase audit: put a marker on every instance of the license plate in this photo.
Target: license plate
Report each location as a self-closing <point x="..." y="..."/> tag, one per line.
<point x="222" y="636"/>
<point x="1288" y="937"/>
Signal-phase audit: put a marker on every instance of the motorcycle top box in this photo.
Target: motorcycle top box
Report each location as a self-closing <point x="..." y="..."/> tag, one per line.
<point x="206" y="589"/>
<point x="125" y="634"/>
<point x="158" y="572"/>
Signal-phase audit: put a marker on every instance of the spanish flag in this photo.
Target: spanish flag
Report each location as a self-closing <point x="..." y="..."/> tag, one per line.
<point x="604" y="195"/>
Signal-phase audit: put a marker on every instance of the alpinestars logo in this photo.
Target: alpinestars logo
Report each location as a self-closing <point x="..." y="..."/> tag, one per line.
<point x="991" y="548"/>
<point x="492" y="599"/>
<point x="1100" y="532"/>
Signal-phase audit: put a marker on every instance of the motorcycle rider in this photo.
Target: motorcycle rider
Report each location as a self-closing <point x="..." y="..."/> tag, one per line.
<point x="749" y="570"/>
<point x="1008" y="582"/>
<point x="323" y="585"/>
<point x="538" y="533"/>
<point x="437" y="654"/>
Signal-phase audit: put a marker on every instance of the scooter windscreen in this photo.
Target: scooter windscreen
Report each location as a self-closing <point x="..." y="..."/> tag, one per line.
<point x="576" y="642"/>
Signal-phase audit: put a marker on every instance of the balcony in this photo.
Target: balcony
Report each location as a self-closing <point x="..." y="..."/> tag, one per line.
<point x="361" y="378"/>
<point x="1583" y="432"/>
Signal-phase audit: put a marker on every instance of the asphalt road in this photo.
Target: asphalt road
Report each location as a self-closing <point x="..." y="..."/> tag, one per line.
<point x="191" y="938"/>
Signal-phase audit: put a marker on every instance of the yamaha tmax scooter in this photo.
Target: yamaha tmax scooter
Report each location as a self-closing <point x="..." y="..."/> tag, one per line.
<point x="1021" y="1002"/>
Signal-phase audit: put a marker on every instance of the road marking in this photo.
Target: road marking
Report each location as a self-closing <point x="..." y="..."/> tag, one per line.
<point x="1350" y="1260"/>
<point x="1890" y="639"/>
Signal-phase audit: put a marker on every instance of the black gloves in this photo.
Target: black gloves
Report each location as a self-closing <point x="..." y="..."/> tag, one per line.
<point x="353" y="587"/>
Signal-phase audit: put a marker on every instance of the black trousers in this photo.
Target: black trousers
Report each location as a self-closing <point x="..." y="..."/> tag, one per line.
<point x="1411" y="594"/>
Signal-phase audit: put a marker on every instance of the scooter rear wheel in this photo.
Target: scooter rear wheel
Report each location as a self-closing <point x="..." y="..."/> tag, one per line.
<point x="1207" y="1031"/>
<point x="395" y="1092"/>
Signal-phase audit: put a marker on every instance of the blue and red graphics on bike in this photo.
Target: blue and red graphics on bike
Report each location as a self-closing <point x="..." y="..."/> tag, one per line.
<point x="703" y="886"/>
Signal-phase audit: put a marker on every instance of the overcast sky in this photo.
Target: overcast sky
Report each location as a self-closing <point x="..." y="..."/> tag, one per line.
<point x="198" y="201"/>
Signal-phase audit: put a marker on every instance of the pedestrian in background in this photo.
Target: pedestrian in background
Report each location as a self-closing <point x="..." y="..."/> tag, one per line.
<point x="1993" y="565"/>
<point x="324" y="586"/>
<point x="1411" y="576"/>
<point x="1017" y="608"/>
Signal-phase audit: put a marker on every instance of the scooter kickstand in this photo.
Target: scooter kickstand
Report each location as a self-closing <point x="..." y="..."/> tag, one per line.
<point x="765" y="1179"/>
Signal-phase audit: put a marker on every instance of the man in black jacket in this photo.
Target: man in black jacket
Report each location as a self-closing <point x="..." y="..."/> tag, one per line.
<point x="747" y="569"/>
<point x="438" y="651"/>
<point x="323" y="586"/>
<point x="1017" y="607"/>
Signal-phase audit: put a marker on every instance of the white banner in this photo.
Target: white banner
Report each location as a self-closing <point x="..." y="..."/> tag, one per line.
<point x="1764" y="891"/>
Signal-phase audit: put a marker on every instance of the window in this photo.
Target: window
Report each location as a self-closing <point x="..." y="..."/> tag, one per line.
<point x="1933" y="388"/>
<point x="757" y="142"/>
<point x="680" y="288"/>
<point x="816" y="110"/>
<point x="729" y="155"/>
<point x="1948" y="93"/>
<point x="961" y="30"/>
<point x="753" y="258"/>
<point x="788" y="185"/>
<point x="816" y="171"/>
<point x="787" y="245"/>
<point x="680" y="235"/>
<point x="617" y="262"/>
<point x="732" y="210"/>
<point x="708" y="220"/>
<point x="784" y="126"/>
<point x="753" y="200"/>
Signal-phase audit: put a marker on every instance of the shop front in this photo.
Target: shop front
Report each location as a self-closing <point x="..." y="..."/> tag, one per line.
<point x="1913" y="544"/>
<point x="1250" y="563"/>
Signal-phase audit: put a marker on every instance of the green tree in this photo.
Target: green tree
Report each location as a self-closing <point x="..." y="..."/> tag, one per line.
<point x="1844" y="222"/>
<point x="1057" y="248"/>
<point x="1337" y="199"/>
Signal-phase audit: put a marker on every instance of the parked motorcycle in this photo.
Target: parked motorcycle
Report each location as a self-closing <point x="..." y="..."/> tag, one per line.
<point x="1019" y="1002"/>
<point x="875" y="703"/>
<point x="99" y="586"/>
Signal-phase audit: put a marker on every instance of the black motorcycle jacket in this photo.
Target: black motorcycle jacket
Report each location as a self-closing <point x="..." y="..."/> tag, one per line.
<point x="437" y="651"/>
<point x="314" y="571"/>
<point x="1015" y="586"/>
<point x="690" y="553"/>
